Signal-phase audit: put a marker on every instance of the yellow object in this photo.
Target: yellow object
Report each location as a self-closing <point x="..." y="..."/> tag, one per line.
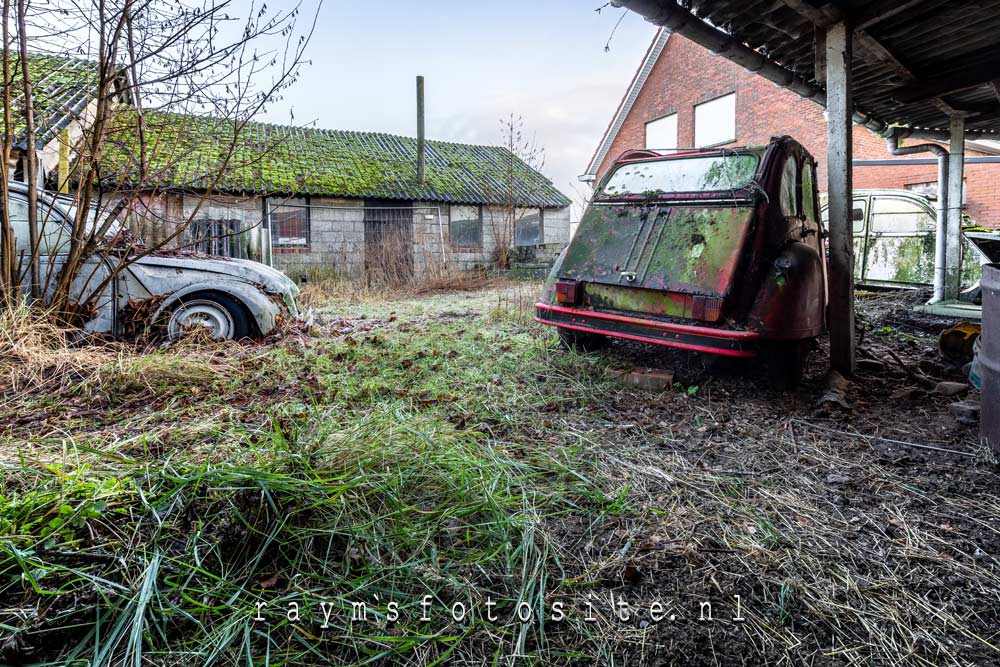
<point x="64" y="160"/>
<point x="956" y="343"/>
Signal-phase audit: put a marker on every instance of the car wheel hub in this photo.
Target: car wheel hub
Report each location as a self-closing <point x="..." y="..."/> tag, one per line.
<point x="193" y="315"/>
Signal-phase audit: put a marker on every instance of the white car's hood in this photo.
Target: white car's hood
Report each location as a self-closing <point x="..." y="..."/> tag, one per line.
<point x="269" y="278"/>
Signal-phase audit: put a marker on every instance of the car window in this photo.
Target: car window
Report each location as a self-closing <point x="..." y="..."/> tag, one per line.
<point x="18" y="209"/>
<point x="895" y="215"/>
<point x="857" y="216"/>
<point x="808" y="202"/>
<point x="789" y="188"/>
<point x="55" y="235"/>
<point x="711" y="173"/>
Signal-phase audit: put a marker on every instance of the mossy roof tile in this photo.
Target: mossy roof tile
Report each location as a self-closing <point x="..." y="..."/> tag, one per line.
<point x="61" y="88"/>
<point x="185" y="151"/>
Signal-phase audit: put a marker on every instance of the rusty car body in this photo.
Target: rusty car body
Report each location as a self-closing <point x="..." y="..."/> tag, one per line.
<point x="231" y="298"/>
<point x="716" y="250"/>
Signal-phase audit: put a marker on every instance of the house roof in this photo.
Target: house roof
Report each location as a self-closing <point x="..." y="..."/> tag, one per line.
<point x="61" y="88"/>
<point x="625" y="106"/>
<point x="190" y="152"/>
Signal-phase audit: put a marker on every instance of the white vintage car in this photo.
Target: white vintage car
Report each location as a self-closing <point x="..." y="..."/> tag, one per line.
<point x="232" y="298"/>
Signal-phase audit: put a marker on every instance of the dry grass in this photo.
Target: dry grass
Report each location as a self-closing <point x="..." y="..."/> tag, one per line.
<point x="37" y="355"/>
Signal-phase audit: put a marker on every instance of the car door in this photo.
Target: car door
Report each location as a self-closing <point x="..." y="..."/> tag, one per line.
<point x="900" y="243"/>
<point x="859" y="217"/>
<point x="53" y="252"/>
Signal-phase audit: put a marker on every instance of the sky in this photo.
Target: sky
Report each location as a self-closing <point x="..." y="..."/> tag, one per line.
<point x="543" y="60"/>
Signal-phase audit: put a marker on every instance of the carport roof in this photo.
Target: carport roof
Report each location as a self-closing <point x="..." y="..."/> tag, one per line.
<point x="916" y="62"/>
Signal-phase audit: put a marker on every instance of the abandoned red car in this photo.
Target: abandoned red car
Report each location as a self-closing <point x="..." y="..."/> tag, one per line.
<point x="715" y="250"/>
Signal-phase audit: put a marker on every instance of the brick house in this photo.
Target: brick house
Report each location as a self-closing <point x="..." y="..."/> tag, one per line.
<point x="684" y="96"/>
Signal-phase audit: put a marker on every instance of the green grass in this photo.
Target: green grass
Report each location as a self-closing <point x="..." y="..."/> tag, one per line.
<point x="391" y="464"/>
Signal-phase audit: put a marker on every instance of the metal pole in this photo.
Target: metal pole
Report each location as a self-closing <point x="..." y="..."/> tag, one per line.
<point x="941" y="230"/>
<point x="420" y="130"/>
<point x="953" y="245"/>
<point x="839" y="135"/>
<point x="444" y="249"/>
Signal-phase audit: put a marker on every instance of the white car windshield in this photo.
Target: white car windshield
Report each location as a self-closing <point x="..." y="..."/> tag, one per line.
<point x="683" y="174"/>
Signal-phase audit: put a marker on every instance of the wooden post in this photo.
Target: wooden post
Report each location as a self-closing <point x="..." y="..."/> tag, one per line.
<point x="839" y="157"/>
<point x="953" y="238"/>
<point x="420" y="130"/>
<point x="63" y="177"/>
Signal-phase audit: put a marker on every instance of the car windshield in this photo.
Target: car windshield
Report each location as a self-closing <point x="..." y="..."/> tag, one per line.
<point x="689" y="174"/>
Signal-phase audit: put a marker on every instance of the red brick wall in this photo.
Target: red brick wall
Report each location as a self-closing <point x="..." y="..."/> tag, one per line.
<point x="686" y="74"/>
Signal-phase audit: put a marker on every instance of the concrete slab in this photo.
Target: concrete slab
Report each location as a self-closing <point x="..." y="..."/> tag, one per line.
<point x="959" y="310"/>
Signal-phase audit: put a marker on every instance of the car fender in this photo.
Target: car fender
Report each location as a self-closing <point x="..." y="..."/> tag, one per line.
<point x="548" y="294"/>
<point x="791" y="303"/>
<point x="263" y="309"/>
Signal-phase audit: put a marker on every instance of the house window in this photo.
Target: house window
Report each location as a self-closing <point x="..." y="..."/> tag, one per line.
<point x="930" y="189"/>
<point x="715" y="121"/>
<point x="662" y="132"/>
<point x="289" y="225"/>
<point x="465" y="226"/>
<point x="528" y="228"/>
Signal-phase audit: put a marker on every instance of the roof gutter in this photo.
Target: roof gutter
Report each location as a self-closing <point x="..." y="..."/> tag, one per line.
<point x="669" y="15"/>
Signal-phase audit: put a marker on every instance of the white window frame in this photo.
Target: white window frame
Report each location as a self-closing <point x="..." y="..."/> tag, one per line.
<point x="716" y="112"/>
<point x="666" y="127"/>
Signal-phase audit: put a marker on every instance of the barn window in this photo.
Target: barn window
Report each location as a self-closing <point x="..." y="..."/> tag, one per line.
<point x="465" y="226"/>
<point x="528" y="228"/>
<point x="289" y="225"/>
<point x="715" y="121"/>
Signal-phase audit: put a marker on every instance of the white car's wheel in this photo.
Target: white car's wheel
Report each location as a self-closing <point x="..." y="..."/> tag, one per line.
<point x="219" y="315"/>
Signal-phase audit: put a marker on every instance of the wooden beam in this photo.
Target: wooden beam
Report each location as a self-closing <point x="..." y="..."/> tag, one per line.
<point x="963" y="111"/>
<point x="870" y="17"/>
<point x="821" y="15"/>
<point x="961" y="79"/>
<point x="879" y="52"/>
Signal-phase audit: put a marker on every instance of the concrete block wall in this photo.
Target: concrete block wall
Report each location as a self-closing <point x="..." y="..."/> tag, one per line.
<point x="336" y="239"/>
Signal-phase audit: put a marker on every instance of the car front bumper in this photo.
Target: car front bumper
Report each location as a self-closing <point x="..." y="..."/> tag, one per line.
<point x="723" y="342"/>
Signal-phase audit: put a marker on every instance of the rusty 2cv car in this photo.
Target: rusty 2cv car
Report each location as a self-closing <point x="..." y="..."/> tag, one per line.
<point x="231" y="298"/>
<point x="715" y="250"/>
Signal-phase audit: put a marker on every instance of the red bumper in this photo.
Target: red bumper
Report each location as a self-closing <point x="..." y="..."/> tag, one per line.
<point x="725" y="342"/>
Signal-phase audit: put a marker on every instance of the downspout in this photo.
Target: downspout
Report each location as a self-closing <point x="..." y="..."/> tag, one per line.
<point x="941" y="209"/>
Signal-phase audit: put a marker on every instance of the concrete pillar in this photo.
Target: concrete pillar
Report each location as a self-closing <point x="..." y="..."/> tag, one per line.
<point x="839" y="111"/>
<point x="953" y="241"/>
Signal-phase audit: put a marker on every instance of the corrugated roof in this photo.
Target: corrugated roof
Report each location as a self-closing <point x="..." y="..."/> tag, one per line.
<point x="61" y="88"/>
<point x="193" y="152"/>
<point x="915" y="61"/>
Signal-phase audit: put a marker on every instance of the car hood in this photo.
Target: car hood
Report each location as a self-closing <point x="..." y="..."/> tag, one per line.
<point x="269" y="278"/>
